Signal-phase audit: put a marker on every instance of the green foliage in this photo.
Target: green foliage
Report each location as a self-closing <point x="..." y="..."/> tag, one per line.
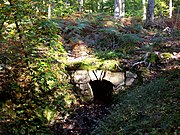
<point x="108" y="7"/>
<point x="35" y="82"/>
<point x="176" y="5"/>
<point x="161" y="8"/>
<point x="110" y="54"/>
<point x="63" y="9"/>
<point x="133" y="8"/>
<point x="105" y="63"/>
<point x="166" y="55"/>
<point x="152" y="58"/>
<point x="38" y="88"/>
<point x="111" y="38"/>
<point x="176" y="33"/>
<point x="151" y="109"/>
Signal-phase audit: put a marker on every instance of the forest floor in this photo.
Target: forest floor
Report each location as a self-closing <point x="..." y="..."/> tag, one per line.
<point x="90" y="43"/>
<point x="87" y="117"/>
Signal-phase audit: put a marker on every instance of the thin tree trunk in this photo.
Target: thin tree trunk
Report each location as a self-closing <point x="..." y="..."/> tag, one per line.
<point x="118" y="8"/>
<point x="123" y="8"/>
<point x="144" y="9"/>
<point x="49" y="10"/>
<point x="170" y="9"/>
<point x="80" y="5"/>
<point x="150" y="12"/>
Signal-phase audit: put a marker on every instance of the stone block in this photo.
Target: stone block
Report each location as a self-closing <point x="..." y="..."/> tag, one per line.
<point x="117" y="78"/>
<point x="130" y="78"/>
<point x="81" y="76"/>
<point x="82" y="79"/>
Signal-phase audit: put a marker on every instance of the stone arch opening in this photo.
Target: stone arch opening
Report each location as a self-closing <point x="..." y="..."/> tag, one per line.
<point x="98" y="84"/>
<point x="102" y="90"/>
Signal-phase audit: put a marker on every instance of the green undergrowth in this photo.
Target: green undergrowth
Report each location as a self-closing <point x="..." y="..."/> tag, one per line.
<point x="108" y="39"/>
<point x="149" y="109"/>
<point x="36" y="88"/>
<point x="35" y="84"/>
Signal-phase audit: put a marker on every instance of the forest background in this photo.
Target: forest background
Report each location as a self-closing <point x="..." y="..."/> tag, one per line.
<point x="36" y="94"/>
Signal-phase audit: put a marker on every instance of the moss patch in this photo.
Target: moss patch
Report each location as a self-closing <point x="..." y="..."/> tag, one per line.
<point x="95" y="64"/>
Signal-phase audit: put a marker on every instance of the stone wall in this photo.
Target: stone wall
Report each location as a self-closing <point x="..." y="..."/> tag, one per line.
<point x="81" y="79"/>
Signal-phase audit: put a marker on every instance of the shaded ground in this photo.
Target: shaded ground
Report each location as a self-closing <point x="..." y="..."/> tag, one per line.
<point x="85" y="118"/>
<point x="100" y="41"/>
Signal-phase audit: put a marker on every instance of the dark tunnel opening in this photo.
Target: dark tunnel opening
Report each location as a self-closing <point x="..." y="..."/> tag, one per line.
<point x="102" y="90"/>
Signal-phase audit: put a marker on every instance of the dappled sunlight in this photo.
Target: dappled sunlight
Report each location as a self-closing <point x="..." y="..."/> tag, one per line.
<point x="65" y="72"/>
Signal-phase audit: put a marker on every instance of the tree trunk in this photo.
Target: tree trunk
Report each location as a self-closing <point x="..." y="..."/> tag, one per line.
<point x="51" y="6"/>
<point x="119" y="8"/>
<point x="144" y="9"/>
<point x="123" y="8"/>
<point x="80" y="2"/>
<point x="150" y="12"/>
<point x="49" y="10"/>
<point x="170" y="8"/>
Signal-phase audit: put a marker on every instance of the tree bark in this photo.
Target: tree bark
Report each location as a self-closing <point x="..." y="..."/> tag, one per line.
<point x="144" y="9"/>
<point x="49" y="10"/>
<point x="150" y="12"/>
<point x="123" y="8"/>
<point x="119" y="8"/>
<point x="170" y="8"/>
<point x="80" y="2"/>
<point x="116" y="8"/>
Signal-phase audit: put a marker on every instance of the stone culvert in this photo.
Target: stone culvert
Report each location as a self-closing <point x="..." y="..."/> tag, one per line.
<point x="99" y="85"/>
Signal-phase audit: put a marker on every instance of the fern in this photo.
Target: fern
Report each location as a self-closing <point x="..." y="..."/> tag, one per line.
<point x="111" y="38"/>
<point x="109" y="30"/>
<point x="131" y="38"/>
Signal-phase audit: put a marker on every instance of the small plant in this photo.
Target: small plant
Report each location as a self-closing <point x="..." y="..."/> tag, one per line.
<point x="110" y="54"/>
